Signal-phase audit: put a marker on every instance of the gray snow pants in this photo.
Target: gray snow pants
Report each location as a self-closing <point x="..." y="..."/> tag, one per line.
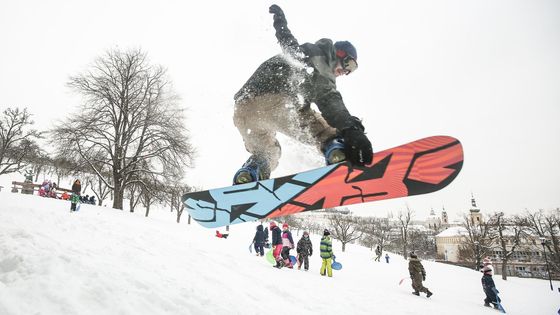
<point x="259" y="118"/>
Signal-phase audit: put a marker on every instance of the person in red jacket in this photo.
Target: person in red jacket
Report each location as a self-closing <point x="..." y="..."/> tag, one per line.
<point x="220" y="235"/>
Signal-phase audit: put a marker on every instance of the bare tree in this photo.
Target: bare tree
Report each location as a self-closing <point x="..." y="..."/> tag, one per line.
<point x="129" y="122"/>
<point x="508" y="232"/>
<point x="404" y="219"/>
<point x="546" y="225"/>
<point x="478" y="242"/>
<point x="17" y="140"/>
<point x="174" y="198"/>
<point x="344" y="228"/>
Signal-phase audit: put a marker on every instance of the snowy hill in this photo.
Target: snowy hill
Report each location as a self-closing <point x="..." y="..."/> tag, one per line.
<point x="104" y="261"/>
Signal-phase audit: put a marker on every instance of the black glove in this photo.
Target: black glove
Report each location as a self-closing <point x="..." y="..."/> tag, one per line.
<point x="357" y="146"/>
<point x="310" y="253"/>
<point x="279" y="17"/>
<point x="276" y="10"/>
<point x="423" y="277"/>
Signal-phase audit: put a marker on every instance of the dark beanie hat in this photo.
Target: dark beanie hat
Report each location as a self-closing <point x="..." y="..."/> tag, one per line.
<point x="326" y="232"/>
<point x="413" y="255"/>
<point x="347" y="47"/>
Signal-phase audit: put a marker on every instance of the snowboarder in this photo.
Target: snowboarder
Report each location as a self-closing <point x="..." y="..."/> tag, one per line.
<point x="75" y="198"/>
<point x="278" y="98"/>
<point x="326" y="253"/>
<point x="258" y="240"/>
<point x="276" y="244"/>
<point x="488" y="283"/>
<point x="417" y="274"/>
<point x="387" y="258"/>
<point x="287" y="245"/>
<point x="304" y="250"/>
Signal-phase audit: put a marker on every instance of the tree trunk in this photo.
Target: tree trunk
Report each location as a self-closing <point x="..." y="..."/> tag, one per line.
<point x="504" y="269"/>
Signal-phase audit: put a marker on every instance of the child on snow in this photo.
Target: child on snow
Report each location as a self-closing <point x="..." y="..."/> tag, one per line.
<point x="276" y="244"/>
<point x="304" y="250"/>
<point x="287" y="245"/>
<point x="488" y="283"/>
<point x="258" y="240"/>
<point x="75" y="198"/>
<point x="221" y="235"/>
<point x="326" y="253"/>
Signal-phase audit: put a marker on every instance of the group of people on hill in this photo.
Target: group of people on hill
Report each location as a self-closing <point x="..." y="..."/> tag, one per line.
<point x="282" y="243"/>
<point x="48" y="189"/>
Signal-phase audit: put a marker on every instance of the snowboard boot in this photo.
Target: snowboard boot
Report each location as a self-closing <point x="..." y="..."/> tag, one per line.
<point x="334" y="151"/>
<point x="429" y="293"/>
<point x="254" y="169"/>
<point x="487" y="304"/>
<point x="416" y="293"/>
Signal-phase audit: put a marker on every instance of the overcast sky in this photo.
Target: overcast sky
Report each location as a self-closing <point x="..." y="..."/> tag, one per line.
<point x="485" y="72"/>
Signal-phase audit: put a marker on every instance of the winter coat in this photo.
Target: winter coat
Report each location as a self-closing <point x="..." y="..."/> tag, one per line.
<point x="287" y="240"/>
<point x="304" y="246"/>
<point x="259" y="235"/>
<point x="305" y="73"/>
<point x="415" y="268"/>
<point x="326" y="247"/>
<point x="487" y="283"/>
<point x="276" y="236"/>
<point x="76" y="187"/>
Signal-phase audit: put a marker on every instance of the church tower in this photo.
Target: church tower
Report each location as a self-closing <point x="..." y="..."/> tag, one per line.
<point x="476" y="217"/>
<point x="444" y="218"/>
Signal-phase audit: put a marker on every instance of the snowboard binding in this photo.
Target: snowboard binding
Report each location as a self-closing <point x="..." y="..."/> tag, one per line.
<point x="254" y="169"/>
<point x="334" y="151"/>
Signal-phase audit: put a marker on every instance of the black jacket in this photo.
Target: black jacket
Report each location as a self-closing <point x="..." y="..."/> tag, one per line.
<point x="303" y="72"/>
<point x="259" y="235"/>
<point x="276" y="236"/>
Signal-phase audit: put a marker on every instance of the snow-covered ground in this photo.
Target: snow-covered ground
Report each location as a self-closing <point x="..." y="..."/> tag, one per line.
<point x="105" y="261"/>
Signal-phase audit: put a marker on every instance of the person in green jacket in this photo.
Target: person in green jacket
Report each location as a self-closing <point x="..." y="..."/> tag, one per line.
<point x="417" y="274"/>
<point x="277" y="98"/>
<point x="326" y="253"/>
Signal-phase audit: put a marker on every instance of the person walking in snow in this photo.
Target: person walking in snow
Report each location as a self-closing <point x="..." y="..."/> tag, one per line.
<point x="378" y="253"/>
<point x="258" y="240"/>
<point x="417" y="274"/>
<point x="276" y="244"/>
<point x="287" y="245"/>
<point x="488" y="285"/>
<point x="304" y="250"/>
<point x="326" y="253"/>
<point x="387" y="258"/>
<point x="278" y="98"/>
<point x="75" y="198"/>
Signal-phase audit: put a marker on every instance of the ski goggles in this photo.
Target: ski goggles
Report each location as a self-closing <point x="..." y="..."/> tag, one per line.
<point x="348" y="63"/>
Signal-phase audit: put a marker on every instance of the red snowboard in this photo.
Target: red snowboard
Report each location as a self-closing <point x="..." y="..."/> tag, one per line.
<point x="415" y="168"/>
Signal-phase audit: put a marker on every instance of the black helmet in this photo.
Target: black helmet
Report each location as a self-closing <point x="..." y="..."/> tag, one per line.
<point x="326" y="232"/>
<point x="346" y="53"/>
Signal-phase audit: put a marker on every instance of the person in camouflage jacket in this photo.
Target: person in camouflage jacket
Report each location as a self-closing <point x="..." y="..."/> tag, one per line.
<point x="304" y="250"/>
<point x="417" y="274"/>
<point x="278" y="98"/>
